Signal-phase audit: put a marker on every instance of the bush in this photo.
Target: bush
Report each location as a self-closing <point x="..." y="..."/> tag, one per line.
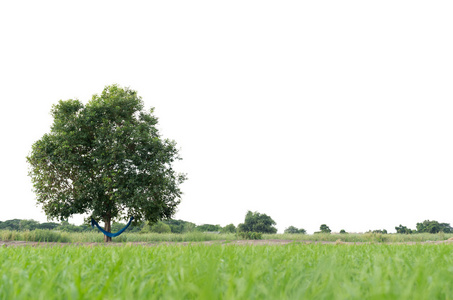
<point x="180" y="226"/>
<point x="379" y="237"/>
<point x="251" y="235"/>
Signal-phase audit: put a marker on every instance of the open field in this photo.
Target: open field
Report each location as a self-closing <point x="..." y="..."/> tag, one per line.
<point x="228" y="271"/>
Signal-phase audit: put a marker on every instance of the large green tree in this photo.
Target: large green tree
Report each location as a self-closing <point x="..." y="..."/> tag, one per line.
<point x="106" y="159"/>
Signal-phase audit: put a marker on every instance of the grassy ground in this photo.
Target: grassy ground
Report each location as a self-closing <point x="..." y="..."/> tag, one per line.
<point x="294" y="271"/>
<point x="56" y="236"/>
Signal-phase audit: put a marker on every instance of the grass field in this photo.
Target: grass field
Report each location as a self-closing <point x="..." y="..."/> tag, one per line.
<point x="294" y="271"/>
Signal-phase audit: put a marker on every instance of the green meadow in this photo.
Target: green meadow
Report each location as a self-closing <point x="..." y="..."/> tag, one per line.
<point x="223" y="271"/>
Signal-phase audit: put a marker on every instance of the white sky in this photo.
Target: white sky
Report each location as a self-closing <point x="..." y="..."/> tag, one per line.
<point x="336" y="112"/>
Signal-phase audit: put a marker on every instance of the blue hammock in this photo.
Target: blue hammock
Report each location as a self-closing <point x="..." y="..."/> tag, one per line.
<point x="109" y="234"/>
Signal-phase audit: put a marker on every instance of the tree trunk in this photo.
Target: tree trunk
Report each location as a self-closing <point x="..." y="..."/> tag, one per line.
<point x="107" y="228"/>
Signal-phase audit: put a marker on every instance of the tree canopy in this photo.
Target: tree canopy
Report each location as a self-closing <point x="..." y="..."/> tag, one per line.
<point x="378" y="231"/>
<point x="230" y="228"/>
<point x="434" y="227"/>
<point x="403" y="229"/>
<point x="324" y="228"/>
<point x="256" y="222"/>
<point x="105" y="159"/>
<point x="208" y="228"/>
<point x="293" y="229"/>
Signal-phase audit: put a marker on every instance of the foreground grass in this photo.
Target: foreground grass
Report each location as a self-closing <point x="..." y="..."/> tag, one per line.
<point x="295" y="271"/>
<point x="66" y="237"/>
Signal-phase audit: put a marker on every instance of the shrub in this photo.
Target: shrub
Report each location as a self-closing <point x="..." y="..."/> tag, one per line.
<point x="248" y="235"/>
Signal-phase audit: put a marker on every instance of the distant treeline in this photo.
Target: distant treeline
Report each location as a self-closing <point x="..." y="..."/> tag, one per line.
<point x="180" y="226"/>
<point x="426" y="226"/>
<point x="166" y="226"/>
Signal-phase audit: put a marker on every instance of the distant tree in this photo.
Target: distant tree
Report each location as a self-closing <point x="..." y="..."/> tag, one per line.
<point x="48" y="225"/>
<point x="146" y="228"/>
<point x="65" y="226"/>
<point x="28" y="224"/>
<point x="188" y="227"/>
<point x="434" y="227"/>
<point x="208" y="228"/>
<point x="403" y="230"/>
<point x="116" y="226"/>
<point x="230" y="228"/>
<point x="85" y="228"/>
<point x="160" y="227"/>
<point x="132" y="228"/>
<point x="383" y="231"/>
<point x="256" y="222"/>
<point x="293" y="230"/>
<point x="324" y="228"/>
<point x="180" y="226"/>
<point x="13" y="224"/>
<point x="342" y="231"/>
<point x="105" y="159"/>
<point x="302" y="231"/>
